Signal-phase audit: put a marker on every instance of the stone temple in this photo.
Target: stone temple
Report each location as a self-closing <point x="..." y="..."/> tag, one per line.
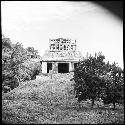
<point x="62" y="56"/>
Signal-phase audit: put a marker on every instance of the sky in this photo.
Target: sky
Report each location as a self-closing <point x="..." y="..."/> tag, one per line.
<point x="33" y="23"/>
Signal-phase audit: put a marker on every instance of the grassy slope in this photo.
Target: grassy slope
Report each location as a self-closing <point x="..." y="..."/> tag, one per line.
<point x="46" y="100"/>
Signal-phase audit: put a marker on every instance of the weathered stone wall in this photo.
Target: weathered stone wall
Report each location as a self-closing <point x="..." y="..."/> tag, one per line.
<point x="61" y="51"/>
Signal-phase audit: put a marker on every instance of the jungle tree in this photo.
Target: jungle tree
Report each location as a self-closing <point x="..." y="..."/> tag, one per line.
<point x="88" y="78"/>
<point x="114" y="85"/>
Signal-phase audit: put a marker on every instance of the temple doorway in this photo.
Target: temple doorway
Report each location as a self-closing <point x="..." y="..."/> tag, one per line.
<point x="49" y="67"/>
<point x="63" y="67"/>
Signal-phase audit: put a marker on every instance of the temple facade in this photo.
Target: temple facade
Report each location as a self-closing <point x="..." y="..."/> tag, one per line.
<point x="62" y="56"/>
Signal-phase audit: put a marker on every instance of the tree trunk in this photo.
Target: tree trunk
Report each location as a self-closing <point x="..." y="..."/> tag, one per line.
<point x="114" y="105"/>
<point x="92" y="103"/>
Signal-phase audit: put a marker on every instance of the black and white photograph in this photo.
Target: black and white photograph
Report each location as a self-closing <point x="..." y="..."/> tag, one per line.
<point x="62" y="62"/>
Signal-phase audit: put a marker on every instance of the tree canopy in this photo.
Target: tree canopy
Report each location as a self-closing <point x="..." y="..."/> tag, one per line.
<point x="13" y="69"/>
<point x="96" y="79"/>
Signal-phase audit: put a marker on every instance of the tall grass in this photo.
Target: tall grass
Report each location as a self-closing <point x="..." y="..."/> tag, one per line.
<point x="52" y="101"/>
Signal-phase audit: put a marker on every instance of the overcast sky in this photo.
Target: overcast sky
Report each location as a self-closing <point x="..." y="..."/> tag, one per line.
<point x="34" y="23"/>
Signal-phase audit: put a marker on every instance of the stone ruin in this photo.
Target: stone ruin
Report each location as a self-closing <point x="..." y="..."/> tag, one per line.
<point x="62" y="56"/>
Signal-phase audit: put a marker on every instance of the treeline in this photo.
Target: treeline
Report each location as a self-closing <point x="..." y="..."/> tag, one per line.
<point x="14" y="67"/>
<point x="99" y="80"/>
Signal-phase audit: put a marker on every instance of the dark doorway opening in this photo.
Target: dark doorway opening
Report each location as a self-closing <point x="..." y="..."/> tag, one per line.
<point x="75" y="65"/>
<point x="63" y="67"/>
<point x="49" y="67"/>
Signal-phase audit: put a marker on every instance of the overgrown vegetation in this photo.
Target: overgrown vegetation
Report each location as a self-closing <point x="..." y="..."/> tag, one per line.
<point x="52" y="101"/>
<point x="14" y="70"/>
<point x="56" y="99"/>
<point x="95" y="79"/>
